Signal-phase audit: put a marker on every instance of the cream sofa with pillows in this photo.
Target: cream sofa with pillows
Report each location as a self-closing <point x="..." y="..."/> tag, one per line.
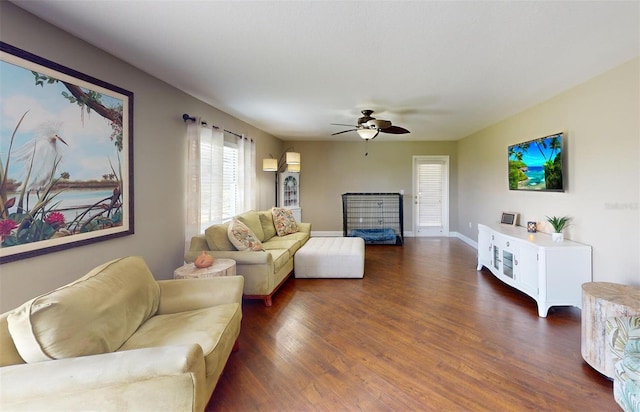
<point x="263" y="244"/>
<point x="118" y="340"/>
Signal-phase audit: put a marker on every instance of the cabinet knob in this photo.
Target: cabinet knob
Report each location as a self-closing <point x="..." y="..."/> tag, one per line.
<point x="493" y="237"/>
<point x="507" y="243"/>
<point x="515" y="261"/>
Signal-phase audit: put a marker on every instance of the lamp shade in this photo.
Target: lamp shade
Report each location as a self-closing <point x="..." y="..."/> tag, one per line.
<point x="292" y="158"/>
<point x="270" y="165"/>
<point x="293" y="168"/>
<point x="367" y="134"/>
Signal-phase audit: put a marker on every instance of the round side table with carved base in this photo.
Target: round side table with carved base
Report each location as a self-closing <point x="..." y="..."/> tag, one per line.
<point x="220" y="267"/>
<point x="602" y="300"/>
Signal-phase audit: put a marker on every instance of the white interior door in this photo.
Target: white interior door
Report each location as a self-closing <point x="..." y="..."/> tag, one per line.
<point x="431" y="196"/>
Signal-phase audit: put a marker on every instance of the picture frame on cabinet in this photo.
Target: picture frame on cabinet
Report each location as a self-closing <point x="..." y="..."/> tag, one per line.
<point x="509" y="218"/>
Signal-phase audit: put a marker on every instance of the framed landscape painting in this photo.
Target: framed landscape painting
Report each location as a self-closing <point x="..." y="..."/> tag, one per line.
<point x="66" y="157"/>
<point x="538" y="165"/>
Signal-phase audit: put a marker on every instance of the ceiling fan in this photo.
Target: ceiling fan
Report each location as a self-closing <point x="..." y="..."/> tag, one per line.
<point x="369" y="127"/>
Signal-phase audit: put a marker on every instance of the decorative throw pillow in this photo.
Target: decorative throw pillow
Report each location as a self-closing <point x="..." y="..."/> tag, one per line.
<point x="266" y="220"/>
<point x="252" y="221"/>
<point x="242" y="237"/>
<point x="284" y="221"/>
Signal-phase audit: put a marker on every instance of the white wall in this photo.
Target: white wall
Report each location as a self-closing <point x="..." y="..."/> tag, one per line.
<point x="158" y="163"/>
<point x="601" y="119"/>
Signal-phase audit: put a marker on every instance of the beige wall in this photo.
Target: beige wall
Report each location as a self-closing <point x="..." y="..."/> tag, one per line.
<point x="158" y="162"/>
<point x="330" y="169"/>
<point x="601" y="119"/>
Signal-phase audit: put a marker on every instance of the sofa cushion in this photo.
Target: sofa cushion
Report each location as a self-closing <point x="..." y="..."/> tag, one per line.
<point x="95" y="314"/>
<point x="252" y="220"/>
<point x="266" y="220"/>
<point x="205" y="326"/>
<point x="282" y="243"/>
<point x="284" y="221"/>
<point x="301" y="240"/>
<point x="217" y="237"/>
<point x="242" y="237"/>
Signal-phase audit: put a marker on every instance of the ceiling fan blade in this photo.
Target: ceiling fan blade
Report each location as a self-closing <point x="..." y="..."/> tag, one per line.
<point x="395" y="130"/>
<point x="342" y="124"/>
<point x="344" y="131"/>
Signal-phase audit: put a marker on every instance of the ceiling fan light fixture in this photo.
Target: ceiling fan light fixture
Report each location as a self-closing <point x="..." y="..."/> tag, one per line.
<point x="367" y="134"/>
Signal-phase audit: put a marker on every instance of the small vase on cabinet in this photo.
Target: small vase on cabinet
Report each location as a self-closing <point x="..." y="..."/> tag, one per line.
<point x="557" y="237"/>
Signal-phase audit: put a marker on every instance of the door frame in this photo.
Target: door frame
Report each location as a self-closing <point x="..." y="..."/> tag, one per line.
<point x="444" y="231"/>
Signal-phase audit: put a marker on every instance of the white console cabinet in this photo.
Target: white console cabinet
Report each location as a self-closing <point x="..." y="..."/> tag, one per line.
<point x="552" y="273"/>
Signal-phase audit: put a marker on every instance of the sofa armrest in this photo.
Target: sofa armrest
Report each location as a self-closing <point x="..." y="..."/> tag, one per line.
<point x="304" y="227"/>
<point x="160" y="378"/>
<point x="179" y="295"/>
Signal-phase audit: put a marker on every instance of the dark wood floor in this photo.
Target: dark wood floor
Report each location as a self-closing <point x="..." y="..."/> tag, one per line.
<point x="422" y="331"/>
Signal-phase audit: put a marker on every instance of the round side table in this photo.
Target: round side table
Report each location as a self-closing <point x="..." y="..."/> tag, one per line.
<point x="602" y="300"/>
<point x="220" y="267"/>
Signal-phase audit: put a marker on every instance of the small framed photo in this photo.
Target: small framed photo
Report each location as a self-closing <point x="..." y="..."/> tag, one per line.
<point x="509" y="218"/>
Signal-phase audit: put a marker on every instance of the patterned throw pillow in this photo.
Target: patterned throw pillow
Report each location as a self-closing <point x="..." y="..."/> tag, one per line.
<point x="284" y="221"/>
<point x="242" y="237"/>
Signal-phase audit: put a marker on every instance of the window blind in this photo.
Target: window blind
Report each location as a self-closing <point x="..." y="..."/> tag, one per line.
<point x="430" y="181"/>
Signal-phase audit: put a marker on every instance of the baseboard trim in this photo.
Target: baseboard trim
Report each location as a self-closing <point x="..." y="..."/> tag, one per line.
<point x="334" y="233"/>
<point x="466" y="240"/>
<point x="326" y="233"/>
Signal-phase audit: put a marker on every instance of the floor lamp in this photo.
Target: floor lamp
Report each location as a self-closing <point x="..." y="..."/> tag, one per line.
<point x="271" y="165"/>
<point x="288" y="162"/>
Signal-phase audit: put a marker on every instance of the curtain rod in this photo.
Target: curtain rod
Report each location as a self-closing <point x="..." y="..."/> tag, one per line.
<point x="186" y="117"/>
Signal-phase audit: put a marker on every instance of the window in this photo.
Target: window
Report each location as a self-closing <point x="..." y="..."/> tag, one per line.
<point x="211" y="172"/>
<point x="218" y="188"/>
<point x="229" y="181"/>
<point x="220" y="177"/>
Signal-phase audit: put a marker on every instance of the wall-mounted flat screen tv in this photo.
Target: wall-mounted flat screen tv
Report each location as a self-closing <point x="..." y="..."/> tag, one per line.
<point x="538" y="164"/>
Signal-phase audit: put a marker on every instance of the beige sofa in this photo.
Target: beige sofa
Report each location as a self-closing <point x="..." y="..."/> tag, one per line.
<point x="117" y="340"/>
<point x="263" y="271"/>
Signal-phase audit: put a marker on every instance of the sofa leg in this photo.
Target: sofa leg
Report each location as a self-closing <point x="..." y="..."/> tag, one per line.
<point x="236" y="346"/>
<point x="267" y="301"/>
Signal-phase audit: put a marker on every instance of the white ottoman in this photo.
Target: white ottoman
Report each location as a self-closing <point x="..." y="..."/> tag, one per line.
<point x="330" y="257"/>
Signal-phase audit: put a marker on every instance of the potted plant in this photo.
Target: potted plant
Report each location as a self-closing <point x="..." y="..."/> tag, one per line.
<point x="558" y="223"/>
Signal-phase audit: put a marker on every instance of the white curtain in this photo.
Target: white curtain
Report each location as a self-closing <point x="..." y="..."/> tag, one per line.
<point x="204" y="174"/>
<point x="246" y="198"/>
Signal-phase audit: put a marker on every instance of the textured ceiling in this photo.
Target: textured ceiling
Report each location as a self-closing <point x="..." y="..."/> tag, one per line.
<point x="442" y="69"/>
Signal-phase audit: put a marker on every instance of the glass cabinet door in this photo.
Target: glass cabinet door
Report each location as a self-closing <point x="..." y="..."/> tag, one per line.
<point x="507" y="263"/>
<point x="289" y="190"/>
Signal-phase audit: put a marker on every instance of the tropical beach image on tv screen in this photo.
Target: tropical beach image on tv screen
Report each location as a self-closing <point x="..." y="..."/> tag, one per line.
<point x="537" y="164"/>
